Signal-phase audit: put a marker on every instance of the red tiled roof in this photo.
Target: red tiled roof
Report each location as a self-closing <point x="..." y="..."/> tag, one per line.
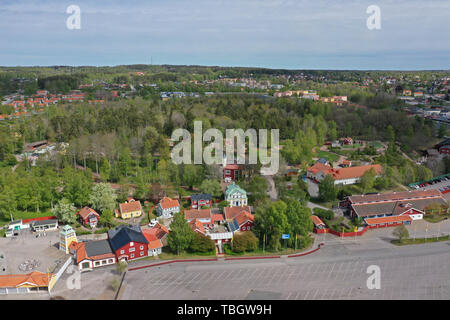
<point x="232" y="212"/>
<point x="392" y="219"/>
<point x="81" y="253"/>
<point x="153" y="241"/>
<point x="35" y="278"/>
<point x="157" y="232"/>
<point x="167" y="203"/>
<point x="344" y="173"/>
<point x="86" y="211"/>
<point x="130" y="206"/>
<point x="197" y="226"/>
<point x="197" y="214"/>
<point x="243" y="217"/>
<point x="317" y="221"/>
<point x="232" y="167"/>
<point x="217" y="217"/>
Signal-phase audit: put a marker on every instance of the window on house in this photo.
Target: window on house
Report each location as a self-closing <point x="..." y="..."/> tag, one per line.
<point x="142" y="253"/>
<point x="131" y="244"/>
<point x="122" y="251"/>
<point x="142" y="247"/>
<point x="132" y="249"/>
<point x="132" y="256"/>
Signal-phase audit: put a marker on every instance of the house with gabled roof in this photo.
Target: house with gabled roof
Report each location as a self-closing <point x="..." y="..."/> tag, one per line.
<point x="94" y="254"/>
<point x="231" y="212"/>
<point x="236" y="196"/>
<point x="202" y="215"/>
<point x="197" y="226"/>
<point x="88" y="216"/>
<point x="25" y="283"/>
<point x="200" y="200"/>
<point x="167" y="207"/>
<point x="130" y="209"/>
<point x="128" y="242"/>
<point x="344" y="176"/>
<point x="156" y="238"/>
<point x="242" y="222"/>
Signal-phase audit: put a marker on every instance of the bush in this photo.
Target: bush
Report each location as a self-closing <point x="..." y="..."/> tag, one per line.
<point x="202" y="243"/>
<point x="245" y="241"/>
<point x="323" y="214"/>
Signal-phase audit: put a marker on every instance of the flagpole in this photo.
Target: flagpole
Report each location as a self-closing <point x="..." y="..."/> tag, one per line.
<point x="264" y="242"/>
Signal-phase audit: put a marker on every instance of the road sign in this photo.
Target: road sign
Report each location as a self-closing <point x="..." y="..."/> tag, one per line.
<point x="285" y="236"/>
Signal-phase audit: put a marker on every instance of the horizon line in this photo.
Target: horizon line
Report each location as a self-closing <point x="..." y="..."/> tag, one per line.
<point x="223" y="66"/>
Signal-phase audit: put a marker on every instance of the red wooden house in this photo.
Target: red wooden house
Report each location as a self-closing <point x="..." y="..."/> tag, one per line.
<point x="200" y="200"/>
<point x="231" y="172"/>
<point x="88" y="216"/>
<point x="242" y="222"/>
<point x="128" y="242"/>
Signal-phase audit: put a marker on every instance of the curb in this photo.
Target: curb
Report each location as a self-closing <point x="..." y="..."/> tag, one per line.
<point x="226" y="259"/>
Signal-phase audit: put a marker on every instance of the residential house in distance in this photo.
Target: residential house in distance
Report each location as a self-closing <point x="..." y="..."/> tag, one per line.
<point x="130" y="209"/>
<point x="167" y="207"/>
<point x="200" y="200"/>
<point x="231" y="172"/>
<point x="94" y="254"/>
<point x="232" y="212"/>
<point x="128" y="242"/>
<point x="197" y="226"/>
<point x="202" y="215"/>
<point x="443" y="147"/>
<point x="88" y="217"/>
<point x="243" y="221"/>
<point x="407" y="92"/>
<point x="236" y="196"/>
<point x="156" y="238"/>
<point x="349" y="175"/>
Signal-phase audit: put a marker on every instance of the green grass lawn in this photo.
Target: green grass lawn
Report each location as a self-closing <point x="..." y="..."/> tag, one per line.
<point x="352" y="146"/>
<point x="327" y="155"/>
<point x="166" y="254"/>
<point x="405" y="242"/>
<point x="376" y="144"/>
<point x="435" y="218"/>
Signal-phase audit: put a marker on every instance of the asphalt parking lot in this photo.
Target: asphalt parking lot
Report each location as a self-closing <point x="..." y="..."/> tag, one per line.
<point x="436" y="186"/>
<point x="339" y="272"/>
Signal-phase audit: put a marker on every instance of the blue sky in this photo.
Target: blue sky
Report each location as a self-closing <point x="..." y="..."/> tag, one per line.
<point x="294" y="34"/>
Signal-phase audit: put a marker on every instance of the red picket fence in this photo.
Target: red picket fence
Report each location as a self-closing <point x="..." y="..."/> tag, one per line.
<point x="320" y="231"/>
<point x="349" y="234"/>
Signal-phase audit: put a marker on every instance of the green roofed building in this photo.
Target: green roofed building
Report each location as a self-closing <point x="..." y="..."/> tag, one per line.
<point x="236" y="196"/>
